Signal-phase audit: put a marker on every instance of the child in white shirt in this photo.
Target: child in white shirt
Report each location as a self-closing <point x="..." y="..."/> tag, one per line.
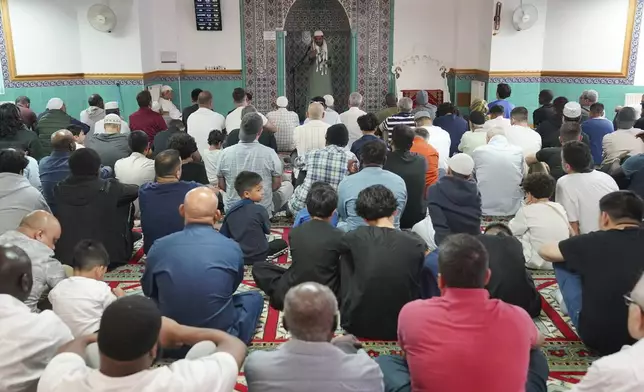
<point x="212" y="155"/>
<point x="81" y="299"/>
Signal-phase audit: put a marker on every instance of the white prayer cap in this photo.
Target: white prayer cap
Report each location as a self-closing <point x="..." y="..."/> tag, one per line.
<point x="112" y="119"/>
<point x="462" y="164"/>
<point x="166" y="88"/>
<point x="318" y="33"/>
<point x="281" y="102"/>
<point x="329" y="100"/>
<point x="55" y="104"/>
<point x="111" y="105"/>
<point x="572" y="110"/>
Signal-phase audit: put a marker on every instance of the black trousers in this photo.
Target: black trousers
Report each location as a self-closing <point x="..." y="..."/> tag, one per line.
<point x="271" y="280"/>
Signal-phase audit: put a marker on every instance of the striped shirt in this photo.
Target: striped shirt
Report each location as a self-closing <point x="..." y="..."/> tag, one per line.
<point x="388" y="125"/>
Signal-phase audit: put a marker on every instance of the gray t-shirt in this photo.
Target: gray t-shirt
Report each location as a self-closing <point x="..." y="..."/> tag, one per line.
<point x="110" y="147"/>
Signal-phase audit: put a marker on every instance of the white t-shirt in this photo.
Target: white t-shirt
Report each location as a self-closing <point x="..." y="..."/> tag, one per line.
<point x="502" y="122"/>
<point x="80" y="303"/>
<point x="67" y="372"/>
<point x="524" y="137"/>
<point x="233" y="121"/>
<point x="471" y="140"/>
<point x="211" y="159"/>
<point x="28" y="341"/>
<point x="169" y="107"/>
<point x="442" y="142"/>
<point x="350" y="120"/>
<point x="201" y="122"/>
<point x="538" y="224"/>
<point x="579" y="194"/>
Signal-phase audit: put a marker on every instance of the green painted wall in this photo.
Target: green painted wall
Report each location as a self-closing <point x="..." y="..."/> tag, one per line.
<point x="527" y="94"/>
<point x="221" y="91"/>
<point x="75" y="97"/>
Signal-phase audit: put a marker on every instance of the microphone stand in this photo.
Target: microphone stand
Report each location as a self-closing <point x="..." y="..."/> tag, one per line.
<point x="293" y="69"/>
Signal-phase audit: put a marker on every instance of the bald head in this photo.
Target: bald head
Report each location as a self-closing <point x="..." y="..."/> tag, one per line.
<point x="309" y="312"/>
<point x="316" y="111"/>
<point x="41" y="226"/>
<point x="15" y="272"/>
<point x="62" y="140"/>
<point x="200" y="206"/>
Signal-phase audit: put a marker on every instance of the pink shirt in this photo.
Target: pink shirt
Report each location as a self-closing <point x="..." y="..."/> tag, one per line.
<point x="464" y="341"/>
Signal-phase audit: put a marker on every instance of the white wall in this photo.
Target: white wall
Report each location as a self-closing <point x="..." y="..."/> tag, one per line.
<point x="419" y="31"/>
<point x="200" y="49"/>
<point x="473" y="33"/>
<point x="54" y="36"/>
<point x="514" y="50"/>
<point x="45" y="36"/>
<point x="116" y="52"/>
<point x="585" y="35"/>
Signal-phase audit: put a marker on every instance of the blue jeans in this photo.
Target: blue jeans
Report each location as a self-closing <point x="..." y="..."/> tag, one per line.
<point x="249" y="306"/>
<point x="396" y="376"/>
<point x="429" y="277"/>
<point x="570" y="286"/>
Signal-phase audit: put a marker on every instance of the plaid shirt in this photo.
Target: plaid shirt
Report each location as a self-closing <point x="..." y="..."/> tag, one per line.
<point x="285" y="121"/>
<point x="328" y="164"/>
<point x="252" y="157"/>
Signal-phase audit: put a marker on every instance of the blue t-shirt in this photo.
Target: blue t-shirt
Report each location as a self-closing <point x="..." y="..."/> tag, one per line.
<point x="596" y="129"/>
<point x="507" y="106"/>
<point x="357" y="145"/>
<point x="159" y="205"/>
<point x="192" y="275"/>
<point x="303" y="216"/>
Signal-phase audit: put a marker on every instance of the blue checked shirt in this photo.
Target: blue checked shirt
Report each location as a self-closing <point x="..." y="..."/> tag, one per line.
<point x="328" y="164"/>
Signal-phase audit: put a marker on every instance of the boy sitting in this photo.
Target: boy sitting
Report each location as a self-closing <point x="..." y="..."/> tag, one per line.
<point x="247" y="222"/>
<point x="380" y="268"/>
<point x="81" y="299"/>
<point x="315" y="250"/>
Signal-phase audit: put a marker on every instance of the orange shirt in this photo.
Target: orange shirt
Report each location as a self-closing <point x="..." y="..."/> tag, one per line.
<point x="421" y="147"/>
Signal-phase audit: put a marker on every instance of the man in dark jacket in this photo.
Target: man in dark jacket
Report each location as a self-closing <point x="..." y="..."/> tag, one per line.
<point x="54" y="119"/>
<point x="162" y="138"/>
<point x="92" y="208"/>
<point x="455" y="201"/>
<point x="266" y="138"/>
<point x="510" y="281"/>
<point x="411" y="168"/>
<point x="546" y="111"/>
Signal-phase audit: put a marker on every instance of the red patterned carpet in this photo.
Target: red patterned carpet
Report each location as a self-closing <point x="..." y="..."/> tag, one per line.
<point x="567" y="356"/>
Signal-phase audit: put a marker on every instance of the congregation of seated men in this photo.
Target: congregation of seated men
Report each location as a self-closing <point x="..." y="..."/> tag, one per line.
<point x="413" y="224"/>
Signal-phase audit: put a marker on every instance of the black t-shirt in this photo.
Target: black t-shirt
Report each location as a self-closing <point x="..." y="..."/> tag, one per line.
<point x="542" y="114"/>
<point x="411" y="168"/>
<point x="610" y="263"/>
<point x="552" y="157"/>
<point x="315" y="251"/>
<point x="161" y="140"/>
<point x="510" y="281"/>
<point x="187" y="112"/>
<point x="380" y="272"/>
<point x="194" y="171"/>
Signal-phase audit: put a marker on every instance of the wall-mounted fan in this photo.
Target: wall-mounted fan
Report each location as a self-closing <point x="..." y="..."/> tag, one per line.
<point x="101" y="18"/>
<point x="525" y="16"/>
